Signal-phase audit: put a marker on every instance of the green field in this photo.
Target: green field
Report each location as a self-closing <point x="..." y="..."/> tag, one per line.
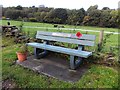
<point x="98" y="76"/>
<point x="36" y="24"/>
<point x="112" y="41"/>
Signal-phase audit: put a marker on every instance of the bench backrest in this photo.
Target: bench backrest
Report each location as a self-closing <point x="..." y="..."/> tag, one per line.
<point x="87" y="40"/>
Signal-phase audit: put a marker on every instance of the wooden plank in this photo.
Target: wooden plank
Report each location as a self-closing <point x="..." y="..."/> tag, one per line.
<point x="67" y="40"/>
<point x="58" y="49"/>
<point x="67" y="35"/>
<point x="61" y="34"/>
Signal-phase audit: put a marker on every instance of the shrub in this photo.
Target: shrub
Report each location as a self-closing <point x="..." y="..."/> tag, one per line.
<point x="102" y="47"/>
<point x="55" y="25"/>
<point x="3" y="18"/>
<point x="32" y="19"/>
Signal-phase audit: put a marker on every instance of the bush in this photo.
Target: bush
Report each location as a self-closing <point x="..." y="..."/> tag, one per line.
<point x="3" y="18"/>
<point x="20" y="19"/>
<point x="102" y="47"/>
<point x="32" y="19"/>
<point x="55" y="25"/>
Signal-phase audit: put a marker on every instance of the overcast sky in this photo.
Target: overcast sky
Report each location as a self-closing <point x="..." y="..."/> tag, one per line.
<point x="70" y="4"/>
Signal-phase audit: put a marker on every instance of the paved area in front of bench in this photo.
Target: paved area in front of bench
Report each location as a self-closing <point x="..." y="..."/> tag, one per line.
<point x="55" y="67"/>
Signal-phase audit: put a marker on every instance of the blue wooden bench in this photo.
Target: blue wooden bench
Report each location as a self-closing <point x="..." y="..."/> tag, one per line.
<point x="41" y="49"/>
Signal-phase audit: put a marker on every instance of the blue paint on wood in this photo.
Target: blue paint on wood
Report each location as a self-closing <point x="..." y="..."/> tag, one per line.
<point x="67" y="35"/>
<point x="66" y="40"/>
<point x="69" y="51"/>
<point x="85" y="40"/>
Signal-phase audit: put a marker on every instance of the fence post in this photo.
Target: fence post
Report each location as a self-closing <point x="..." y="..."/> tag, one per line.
<point x="100" y="40"/>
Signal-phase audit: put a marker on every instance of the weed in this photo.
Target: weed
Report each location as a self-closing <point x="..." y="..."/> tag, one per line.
<point x="21" y="27"/>
<point x="102" y="47"/>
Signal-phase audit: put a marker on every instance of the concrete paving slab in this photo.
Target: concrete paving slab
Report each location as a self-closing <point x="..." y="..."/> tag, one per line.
<point x="55" y="67"/>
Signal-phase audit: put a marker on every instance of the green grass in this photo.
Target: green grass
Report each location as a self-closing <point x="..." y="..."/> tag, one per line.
<point x="36" y="24"/>
<point x="97" y="76"/>
<point x="112" y="41"/>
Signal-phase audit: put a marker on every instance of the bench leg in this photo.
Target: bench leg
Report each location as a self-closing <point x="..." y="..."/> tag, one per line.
<point x="74" y="63"/>
<point x="39" y="53"/>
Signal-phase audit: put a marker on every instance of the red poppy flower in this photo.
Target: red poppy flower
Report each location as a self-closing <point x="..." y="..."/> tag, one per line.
<point x="78" y="34"/>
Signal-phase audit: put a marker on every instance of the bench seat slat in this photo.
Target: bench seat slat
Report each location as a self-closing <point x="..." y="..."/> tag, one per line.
<point x="67" y="40"/>
<point x="69" y="51"/>
<point x="67" y="35"/>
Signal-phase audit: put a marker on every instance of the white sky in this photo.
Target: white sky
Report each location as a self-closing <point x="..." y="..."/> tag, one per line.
<point x="70" y="4"/>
